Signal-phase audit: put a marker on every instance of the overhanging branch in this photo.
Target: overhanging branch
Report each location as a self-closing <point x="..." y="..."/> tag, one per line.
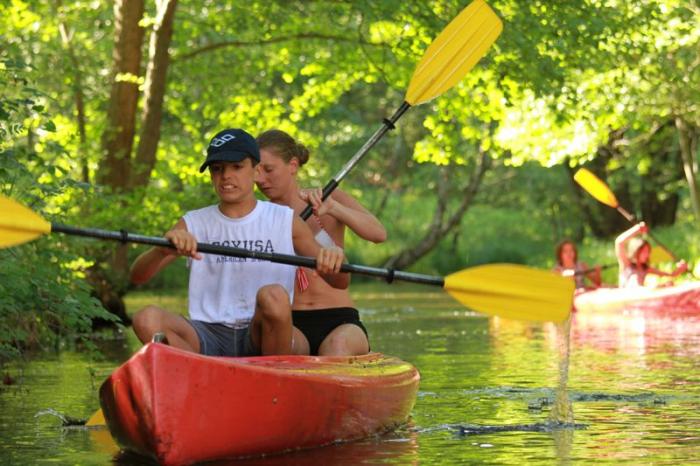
<point x="276" y="40"/>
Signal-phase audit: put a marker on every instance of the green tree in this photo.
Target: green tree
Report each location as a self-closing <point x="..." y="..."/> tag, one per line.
<point x="43" y="296"/>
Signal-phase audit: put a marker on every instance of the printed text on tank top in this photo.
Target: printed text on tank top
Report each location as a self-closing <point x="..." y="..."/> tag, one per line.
<point x="211" y="295"/>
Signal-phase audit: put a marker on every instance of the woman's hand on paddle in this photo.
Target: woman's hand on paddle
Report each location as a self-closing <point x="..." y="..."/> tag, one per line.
<point x="184" y="242"/>
<point x="329" y="260"/>
<point x="595" y="275"/>
<point x="681" y="268"/>
<point x="314" y="197"/>
<point x="643" y="228"/>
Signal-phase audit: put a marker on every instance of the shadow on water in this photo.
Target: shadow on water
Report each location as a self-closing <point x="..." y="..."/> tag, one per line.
<point x="399" y="447"/>
<point x="644" y="399"/>
<point x="466" y="430"/>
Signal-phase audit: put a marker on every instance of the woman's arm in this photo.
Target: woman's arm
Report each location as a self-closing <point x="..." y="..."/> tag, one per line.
<point x="328" y="260"/>
<point x="148" y="264"/>
<point x="346" y="210"/>
<point x="681" y="268"/>
<point x="594" y="276"/>
<point x="621" y="243"/>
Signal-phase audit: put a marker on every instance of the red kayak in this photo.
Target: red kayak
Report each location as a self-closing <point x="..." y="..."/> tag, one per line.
<point x="683" y="299"/>
<point x="182" y="408"/>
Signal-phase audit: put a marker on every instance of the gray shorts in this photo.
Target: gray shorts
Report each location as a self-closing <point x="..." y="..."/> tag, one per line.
<point x="221" y="340"/>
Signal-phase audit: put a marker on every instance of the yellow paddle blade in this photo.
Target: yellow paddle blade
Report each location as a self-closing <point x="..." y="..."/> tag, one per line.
<point x="596" y="188"/>
<point x="513" y="291"/>
<point x="97" y="419"/>
<point x="18" y="224"/>
<point x="454" y="52"/>
<point x="103" y="442"/>
<point x="660" y="254"/>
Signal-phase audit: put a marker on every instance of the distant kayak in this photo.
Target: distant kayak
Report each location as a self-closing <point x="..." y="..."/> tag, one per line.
<point x="180" y="408"/>
<point x="676" y="300"/>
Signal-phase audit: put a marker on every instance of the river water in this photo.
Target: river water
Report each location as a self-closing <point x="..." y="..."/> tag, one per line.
<point x="488" y="391"/>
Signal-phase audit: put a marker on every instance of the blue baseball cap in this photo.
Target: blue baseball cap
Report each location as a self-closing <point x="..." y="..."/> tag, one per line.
<point x="231" y="145"/>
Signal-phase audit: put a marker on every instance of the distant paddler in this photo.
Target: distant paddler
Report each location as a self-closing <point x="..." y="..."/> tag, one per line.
<point x="633" y="255"/>
<point x="568" y="265"/>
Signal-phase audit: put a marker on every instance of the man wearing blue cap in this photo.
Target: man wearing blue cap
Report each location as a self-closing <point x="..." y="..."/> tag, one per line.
<point x="237" y="306"/>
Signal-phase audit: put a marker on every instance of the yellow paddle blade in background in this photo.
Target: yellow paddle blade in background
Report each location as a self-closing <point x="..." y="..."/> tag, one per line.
<point x="660" y="254"/>
<point x="599" y="190"/>
<point x="454" y="52"/>
<point x="18" y="224"/>
<point x="513" y="291"/>
<point x="596" y="188"/>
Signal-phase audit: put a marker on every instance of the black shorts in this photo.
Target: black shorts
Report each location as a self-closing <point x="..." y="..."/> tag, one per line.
<point x="318" y="323"/>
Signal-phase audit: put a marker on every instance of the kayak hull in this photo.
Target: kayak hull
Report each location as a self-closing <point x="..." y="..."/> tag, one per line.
<point x="181" y="408"/>
<point x="679" y="300"/>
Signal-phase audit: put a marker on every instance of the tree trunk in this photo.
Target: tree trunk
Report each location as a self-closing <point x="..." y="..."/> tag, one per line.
<point x="442" y="224"/>
<point x="659" y="197"/>
<point x="110" y="278"/>
<point x="118" y="137"/>
<point x="658" y="204"/>
<point x="688" y="140"/>
<point x="156" y="74"/>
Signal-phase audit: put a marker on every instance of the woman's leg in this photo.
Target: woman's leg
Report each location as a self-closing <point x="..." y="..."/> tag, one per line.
<point x="344" y="340"/>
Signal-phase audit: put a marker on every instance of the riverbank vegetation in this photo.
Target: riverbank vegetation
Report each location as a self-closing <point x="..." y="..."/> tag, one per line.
<point x="106" y="110"/>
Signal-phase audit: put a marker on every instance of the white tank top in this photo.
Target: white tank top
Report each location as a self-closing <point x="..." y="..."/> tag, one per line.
<point x="222" y="289"/>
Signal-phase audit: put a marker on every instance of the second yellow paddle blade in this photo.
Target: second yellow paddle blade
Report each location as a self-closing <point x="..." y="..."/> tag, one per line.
<point x="596" y="188"/>
<point x="513" y="291"/>
<point x="97" y="419"/>
<point x="18" y="224"/>
<point x="454" y="52"/>
<point x="660" y="254"/>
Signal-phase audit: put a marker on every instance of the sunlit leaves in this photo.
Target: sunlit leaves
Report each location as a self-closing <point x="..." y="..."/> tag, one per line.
<point x="532" y="131"/>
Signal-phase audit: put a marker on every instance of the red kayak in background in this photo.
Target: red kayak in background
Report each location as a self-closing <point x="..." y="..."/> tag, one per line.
<point x="180" y="408"/>
<point x="679" y="300"/>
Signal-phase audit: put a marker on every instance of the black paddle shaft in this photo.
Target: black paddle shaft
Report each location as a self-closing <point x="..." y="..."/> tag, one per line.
<point x="593" y="269"/>
<point x="387" y="125"/>
<point x="299" y="261"/>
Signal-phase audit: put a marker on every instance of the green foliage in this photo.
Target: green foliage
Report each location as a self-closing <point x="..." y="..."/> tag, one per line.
<point x="43" y="296"/>
<point x="560" y="80"/>
<point x="41" y="299"/>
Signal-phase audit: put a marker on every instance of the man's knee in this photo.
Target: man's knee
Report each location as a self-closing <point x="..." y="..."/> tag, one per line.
<point x="272" y="302"/>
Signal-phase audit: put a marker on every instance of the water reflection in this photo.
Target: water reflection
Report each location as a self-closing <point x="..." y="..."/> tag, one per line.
<point x="633" y="381"/>
<point x="638" y="332"/>
<point x="399" y="447"/>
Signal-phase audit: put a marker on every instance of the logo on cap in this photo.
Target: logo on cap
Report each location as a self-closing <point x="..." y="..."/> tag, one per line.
<point x="220" y="141"/>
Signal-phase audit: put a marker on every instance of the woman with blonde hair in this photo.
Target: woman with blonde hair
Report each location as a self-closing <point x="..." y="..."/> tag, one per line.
<point x="325" y="318"/>
<point x="633" y="254"/>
